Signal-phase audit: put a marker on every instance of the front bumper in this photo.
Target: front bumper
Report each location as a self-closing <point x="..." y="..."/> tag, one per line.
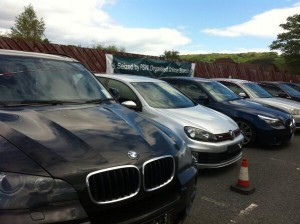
<point x="275" y="136"/>
<point x="172" y="202"/>
<point x="216" y="154"/>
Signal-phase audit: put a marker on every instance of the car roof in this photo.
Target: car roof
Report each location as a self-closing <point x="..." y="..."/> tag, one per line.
<point x="186" y="78"/>
<point x="35" y="55"/>
<point x="232" y="80"/>
<point x="128" y="77"/>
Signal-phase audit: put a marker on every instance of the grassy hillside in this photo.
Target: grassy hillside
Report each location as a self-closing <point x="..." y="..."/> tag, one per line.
<point x="263" y="58"/>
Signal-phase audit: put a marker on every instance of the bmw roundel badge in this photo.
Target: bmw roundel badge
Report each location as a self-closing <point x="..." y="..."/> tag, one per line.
<point x="133" y="155"/>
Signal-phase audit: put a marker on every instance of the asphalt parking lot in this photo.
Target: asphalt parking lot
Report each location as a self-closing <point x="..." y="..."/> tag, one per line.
<point x="274" y="171"/>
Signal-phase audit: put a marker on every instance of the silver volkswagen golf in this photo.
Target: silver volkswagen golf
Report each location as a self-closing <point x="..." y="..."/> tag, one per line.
<point x="214" y="139"/>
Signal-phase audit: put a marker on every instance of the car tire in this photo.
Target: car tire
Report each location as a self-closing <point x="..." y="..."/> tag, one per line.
<point x="248" y="131"/>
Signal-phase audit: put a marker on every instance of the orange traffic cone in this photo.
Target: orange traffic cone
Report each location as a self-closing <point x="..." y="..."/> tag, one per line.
<point x="243" y="184"/>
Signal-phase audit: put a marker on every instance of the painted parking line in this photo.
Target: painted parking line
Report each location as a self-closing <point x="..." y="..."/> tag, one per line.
<point x="244" y="213"/>
<point x="218" y="203"/>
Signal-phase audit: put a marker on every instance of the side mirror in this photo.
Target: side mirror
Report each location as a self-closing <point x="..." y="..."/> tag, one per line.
<point x="243" y="95"/>
<point x="115" y="92"/>
<point x="129" y="104"/>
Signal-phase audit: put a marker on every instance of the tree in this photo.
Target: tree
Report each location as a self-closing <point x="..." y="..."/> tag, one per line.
<point x="110" y="47"/>
<point x="288" y="42"/>
<point x="171" y="54"/>
<point x="28" y="26"/>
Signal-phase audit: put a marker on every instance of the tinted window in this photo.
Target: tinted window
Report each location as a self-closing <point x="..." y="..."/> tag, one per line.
<point x="36" y="79"/>
<point x="289" y="89"/>
<point x="191" y="89"/>
<point x="233" y="87"/>
<point x="256" y="90"/>
<point x="218" y="91"/>
<point x="274" y="90"/>
<point x="294" y="86"/>
<point x="162" y="95"/>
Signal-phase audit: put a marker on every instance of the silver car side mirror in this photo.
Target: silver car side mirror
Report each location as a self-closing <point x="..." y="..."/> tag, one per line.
<point x="243" y="95"/>
<point x="129" y="104"/>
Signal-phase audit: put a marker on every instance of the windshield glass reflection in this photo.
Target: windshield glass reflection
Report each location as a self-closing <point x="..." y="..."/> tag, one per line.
<point x="162" y="95"/>
<point x="25" y="80"/>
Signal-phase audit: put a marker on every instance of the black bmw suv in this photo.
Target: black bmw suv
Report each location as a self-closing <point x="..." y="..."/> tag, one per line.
<point x="70" y="154"/>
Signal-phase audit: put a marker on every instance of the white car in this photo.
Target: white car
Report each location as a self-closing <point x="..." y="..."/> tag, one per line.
<point x="252" y="91"/>
<point x="214" y="139"/>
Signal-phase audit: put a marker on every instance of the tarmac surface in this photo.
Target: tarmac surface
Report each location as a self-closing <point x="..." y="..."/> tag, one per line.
<point x="274" y="172"/>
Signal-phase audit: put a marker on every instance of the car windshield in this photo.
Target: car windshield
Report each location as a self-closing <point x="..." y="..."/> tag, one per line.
<point x="162" y="95"/>
<point x="294" y="86"/>
<point x="256" y="90"/>
<point x="219" y="92"/>
<point x="289" y="89"/>
<point x="25" y="80"/>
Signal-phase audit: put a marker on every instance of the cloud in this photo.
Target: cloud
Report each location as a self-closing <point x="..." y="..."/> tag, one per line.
<point x="86" y="23"/>
<point x="262" y="25"/>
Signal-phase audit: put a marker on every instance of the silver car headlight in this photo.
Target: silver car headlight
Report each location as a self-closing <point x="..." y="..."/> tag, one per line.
<point x="294" y="111"/>
<point x="274" y="122"/>
<point x="185" y="158"/>
<point x="24" y="191"/>
<point x="199" y="134"/>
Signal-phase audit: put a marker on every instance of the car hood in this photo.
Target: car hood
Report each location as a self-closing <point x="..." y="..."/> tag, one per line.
<point x="258" y="108"/>
<point x="282" y="103"/>
<point x="200" y="117"/>
<point x="78" y="139"/>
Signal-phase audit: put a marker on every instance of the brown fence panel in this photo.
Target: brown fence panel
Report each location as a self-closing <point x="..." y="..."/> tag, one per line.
<point x="95" y="60"/>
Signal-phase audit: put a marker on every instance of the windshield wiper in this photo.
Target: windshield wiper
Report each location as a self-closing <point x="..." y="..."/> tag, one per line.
<point x="99" y="101"/>
<point x="37" y="103"/>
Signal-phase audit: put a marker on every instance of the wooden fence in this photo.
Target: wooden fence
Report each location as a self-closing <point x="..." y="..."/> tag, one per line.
<point x="95" y="60"/>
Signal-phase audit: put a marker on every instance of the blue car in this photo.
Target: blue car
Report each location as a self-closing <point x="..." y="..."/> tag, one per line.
<point x="258" y="122"/>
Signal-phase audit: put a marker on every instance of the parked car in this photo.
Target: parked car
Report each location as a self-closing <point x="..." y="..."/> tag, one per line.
<point x="213" y="138"/>
<point x="281" y="89"/>
<point x="256" y="121"/>
<point x="294" y="85"/>
<point x="69" y="153"/>
<point x="253" y="92"/>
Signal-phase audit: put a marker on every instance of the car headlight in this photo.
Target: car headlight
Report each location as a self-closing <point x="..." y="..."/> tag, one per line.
<point x="185" y="158"/>
<point x="24" y="191"/>
<point x="274" y="122"/>
<point x="294" y="111"/>
<point x="199" y="134"/>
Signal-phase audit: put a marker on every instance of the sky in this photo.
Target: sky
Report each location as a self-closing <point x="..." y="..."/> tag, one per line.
<point x="150" y="27"/>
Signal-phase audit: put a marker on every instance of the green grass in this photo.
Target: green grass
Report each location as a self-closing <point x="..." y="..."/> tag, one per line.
<point x="263" y="58"/>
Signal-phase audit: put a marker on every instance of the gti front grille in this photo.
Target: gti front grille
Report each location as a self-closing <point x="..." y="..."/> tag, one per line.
<point x="114" y="184"/>
<point x="158" y="172"/>
<point x="228" y="135"/>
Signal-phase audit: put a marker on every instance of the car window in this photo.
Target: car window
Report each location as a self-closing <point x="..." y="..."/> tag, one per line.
<point x="274" y="90"/>
<point x="294" y="86"/>
<point x="162" y="95"/>
<point x="38" y="79"/>
<point x="192" y="90"/>
<point x="290" y="90"/>
<point x="234" y="87"/>
<point x="256" y="90"/>
<point x="126" y="93"/>
<point x="219" y="92"/>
